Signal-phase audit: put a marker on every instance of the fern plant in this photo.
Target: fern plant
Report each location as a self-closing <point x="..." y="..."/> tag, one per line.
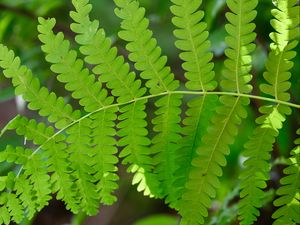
<point x="74" y="155"/>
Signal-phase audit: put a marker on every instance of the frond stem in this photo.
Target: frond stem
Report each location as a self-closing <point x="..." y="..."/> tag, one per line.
<point x="297" y="106"/>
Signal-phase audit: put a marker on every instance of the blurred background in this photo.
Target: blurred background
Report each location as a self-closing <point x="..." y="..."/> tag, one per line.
<point x="18" y="22"/>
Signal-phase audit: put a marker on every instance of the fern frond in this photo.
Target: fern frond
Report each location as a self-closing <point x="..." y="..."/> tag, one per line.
<point x="74" y="157"/>
<point x="285" y="39"/>
<point x="103" y="150"/>
<point x="197" y="119"/>
<point x="147" y="58"/>
<point x="24" y="192"/>
<point x="36" y="172"/>
<point x="73" y="167"/>
<point x="289" y="192"/>
<point x="54" y="149"/>
<point x="257" y="167"/>
<point x="99" y="53"/>
<point x="193" y="40"/>
<point x="11" y="208"/>
<point x="206" y="165"/>
<point x="39" y="133"/>
<point x="210" y="155"/>
<point x="17" y="155"/>
<point x="12" y="204"/>
<point x="32" y="187"/>
<point x="116" y="74"/>
<point x="70" y="69"/>
<point x="143" y="48"/>
<point x="166" y="124"/>
<point x="240" y="45"/>
<point x="277" y="76"/>
<point x="133" y="134"/>
<point x="92" y="96"/>
<point x="39" y="98"/>
<point x="82" y="166"/>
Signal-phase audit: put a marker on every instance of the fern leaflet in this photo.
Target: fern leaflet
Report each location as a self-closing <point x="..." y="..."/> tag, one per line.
<point x="91" y="95"/>
<point x="146" y="55"/>
<point x="29" y="88"/>
<point x="203" y="178"/>
<point x="179" y="158"/>
<point x="124" y="85"/>
<point x="192" y="40"/>
<point x="277" y="77"/>
<point x="289" y="192"/>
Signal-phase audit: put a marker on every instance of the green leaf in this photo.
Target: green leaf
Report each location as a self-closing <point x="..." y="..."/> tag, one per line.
<point x="277" y="76"/>
<point x="289" y="199"/>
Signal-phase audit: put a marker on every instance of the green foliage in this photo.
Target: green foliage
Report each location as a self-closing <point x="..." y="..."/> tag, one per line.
<point x="115" y="73"/>
<point x="39" y="98"/>
<point x="206" y="166"/>
<point x="258" y="148"/>
<point x="193" y="42"/>
<point x="178" y="156"/>
<point x="147" y="58"/>
<point x="289" y="200"/>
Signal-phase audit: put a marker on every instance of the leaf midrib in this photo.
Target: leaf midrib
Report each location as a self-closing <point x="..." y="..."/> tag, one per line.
<point x="158" y="95"/>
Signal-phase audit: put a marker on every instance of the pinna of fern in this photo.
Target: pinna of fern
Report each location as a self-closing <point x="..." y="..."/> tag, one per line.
<point x="88" y="90"/>
<point x="289" y="193"/>
<point x="74" y="181"/>
<point x="74" y="154"/>
<point x="30" y="190"/>
<point x="115" y="73"/>
<point x="207" y="165"/>
<point x="193" y="42"/>
<point x="147" y="58"/>
<point x="258" y="148"/>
